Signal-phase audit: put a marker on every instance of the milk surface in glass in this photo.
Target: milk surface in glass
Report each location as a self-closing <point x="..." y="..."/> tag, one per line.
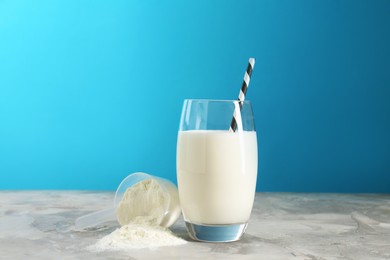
<point x="216" y="172"/>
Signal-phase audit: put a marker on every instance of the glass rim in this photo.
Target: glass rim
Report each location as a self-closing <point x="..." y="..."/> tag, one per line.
<point x="216" y="100"/>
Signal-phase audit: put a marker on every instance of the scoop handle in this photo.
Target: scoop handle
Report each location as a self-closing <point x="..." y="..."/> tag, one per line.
<point x="95" y="218"/>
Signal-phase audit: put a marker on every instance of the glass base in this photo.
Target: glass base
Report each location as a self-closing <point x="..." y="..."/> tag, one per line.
<point x="216" y="233"/>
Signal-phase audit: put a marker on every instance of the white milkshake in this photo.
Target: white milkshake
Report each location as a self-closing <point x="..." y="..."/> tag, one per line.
<point x="216" y="173"/>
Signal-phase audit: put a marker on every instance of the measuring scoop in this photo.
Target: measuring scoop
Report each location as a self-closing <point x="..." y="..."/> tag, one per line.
<point x="171" y="203"/>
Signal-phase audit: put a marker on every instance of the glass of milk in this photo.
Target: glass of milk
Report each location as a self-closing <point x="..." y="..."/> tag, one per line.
<point x="216" y="168"/>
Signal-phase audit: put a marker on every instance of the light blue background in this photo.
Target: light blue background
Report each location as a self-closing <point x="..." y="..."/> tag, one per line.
<point x="92" y="90"/>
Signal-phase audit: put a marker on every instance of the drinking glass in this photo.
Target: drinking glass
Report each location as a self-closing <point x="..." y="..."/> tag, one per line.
<point x="216" y="168"/>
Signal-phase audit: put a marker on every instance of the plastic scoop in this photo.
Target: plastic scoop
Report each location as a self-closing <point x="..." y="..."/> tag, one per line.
<point x="171" y="203"/>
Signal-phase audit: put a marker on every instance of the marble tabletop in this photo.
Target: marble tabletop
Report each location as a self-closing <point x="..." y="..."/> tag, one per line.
<point x="39" y="225"/>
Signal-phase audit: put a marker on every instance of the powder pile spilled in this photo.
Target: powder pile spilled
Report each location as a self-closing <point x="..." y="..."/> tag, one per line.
<point x="136" y="236"/>
<point x="140" y="212"/>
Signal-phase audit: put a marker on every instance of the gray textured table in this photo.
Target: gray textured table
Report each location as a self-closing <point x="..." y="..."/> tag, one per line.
<point x="38" y="225"/>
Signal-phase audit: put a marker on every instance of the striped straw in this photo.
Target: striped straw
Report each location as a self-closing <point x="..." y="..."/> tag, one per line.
<point x="243" y="90"/>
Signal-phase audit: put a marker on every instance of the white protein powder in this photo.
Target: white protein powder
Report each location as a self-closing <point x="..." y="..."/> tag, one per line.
<point x="145" y="202"/>
<point x="136" y="236"/>
<point x="140" y="212"/>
